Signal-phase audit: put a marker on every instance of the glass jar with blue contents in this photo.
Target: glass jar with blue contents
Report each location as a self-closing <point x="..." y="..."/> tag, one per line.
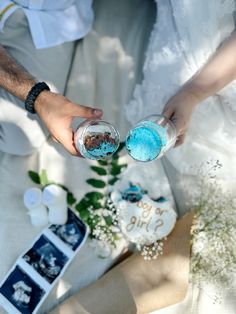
<point x="151" y="138"/>
<point x="96" y="139"/>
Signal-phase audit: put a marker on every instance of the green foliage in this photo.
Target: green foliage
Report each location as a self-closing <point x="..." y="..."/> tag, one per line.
<point x="113" y="180"/>
<point x="108" y="220"/>
<point x="70" y="198"/>
<point x="96" y="183"/>
<point x="100" y="171"/>
<point x="94" y="196"/>
<point x="117" y="169"/>
<point x="121" y="146"/>
<point x="84" y="214"/>
<point x="44" y="178"/>
<point x="102" y="162"/>
<point x="34" y="176"/>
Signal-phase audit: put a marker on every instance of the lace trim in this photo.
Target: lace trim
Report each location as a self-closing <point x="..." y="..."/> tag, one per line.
<point x="173" y="55"/>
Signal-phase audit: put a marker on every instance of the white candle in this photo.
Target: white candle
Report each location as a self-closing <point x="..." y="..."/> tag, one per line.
<point x="55" y="198"/>
<point x="36" y="210"/>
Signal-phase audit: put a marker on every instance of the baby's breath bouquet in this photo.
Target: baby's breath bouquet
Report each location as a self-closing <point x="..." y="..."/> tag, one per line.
<point x="213" y="258"/>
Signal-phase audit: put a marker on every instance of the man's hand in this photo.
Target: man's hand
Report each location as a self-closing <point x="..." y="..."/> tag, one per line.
<point x="55" y="110"/>
<point x="57" y="113"/>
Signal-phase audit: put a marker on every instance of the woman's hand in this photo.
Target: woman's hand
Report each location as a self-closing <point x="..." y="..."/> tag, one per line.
<point x="215" y="74"/>
<point x="57" y="113"/>
<point x="179" y="110"/>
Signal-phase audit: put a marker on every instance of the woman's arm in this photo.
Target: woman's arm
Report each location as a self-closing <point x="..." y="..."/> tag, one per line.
<point x="55" y="110"/>
<point x="216" y="74"/>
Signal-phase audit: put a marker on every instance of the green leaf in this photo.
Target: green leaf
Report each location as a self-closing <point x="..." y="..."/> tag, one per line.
<point x="44" y="178"/>
<point x="115" y="158"/>
<point x="121" y="146"/>
<point x="70" y="198"/>
<point x="82" y="205"/>
<point x="95" y="196"/>
<point x="113" y="180"/>
<point x="99" y="170"/>
<point x="115" y="170"/>
<point x="96" y="205"/>
<point x="102" y="162"/>
<point x="63" y="187"/>
<point x="84" y="214"/>
<point x="96" y="183"/>
<point x="114" y="162"/>
<point x="108" y="220"/>
<point x="85" y="203"/>
<point x="34" y="176"/>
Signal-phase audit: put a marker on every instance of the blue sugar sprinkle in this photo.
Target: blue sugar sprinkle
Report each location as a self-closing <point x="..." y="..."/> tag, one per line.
<point x="159" y="129"/>
<point x="143" y="143"/>
<point x="104" y="150"/>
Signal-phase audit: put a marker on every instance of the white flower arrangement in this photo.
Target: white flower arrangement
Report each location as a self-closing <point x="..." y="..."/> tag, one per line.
<point x="213" y="258"/>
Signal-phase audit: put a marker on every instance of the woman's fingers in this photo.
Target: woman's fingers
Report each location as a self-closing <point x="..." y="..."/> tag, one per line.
<point x="168" y="112"/>
<point x="180" y="140"/>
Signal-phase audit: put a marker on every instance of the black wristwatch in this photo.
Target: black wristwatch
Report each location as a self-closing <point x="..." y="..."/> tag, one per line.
<point x="33" y="94"/>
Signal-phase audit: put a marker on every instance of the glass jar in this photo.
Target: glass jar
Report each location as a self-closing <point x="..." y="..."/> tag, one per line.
<point x="151" y="138"/>
<point x="96" y="139"/>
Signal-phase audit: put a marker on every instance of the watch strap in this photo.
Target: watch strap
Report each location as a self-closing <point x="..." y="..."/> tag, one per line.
<point x="33" y="94"/>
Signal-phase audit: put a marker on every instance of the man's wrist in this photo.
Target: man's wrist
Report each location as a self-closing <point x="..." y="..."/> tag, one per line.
<point x="33" y="94"/>
<point x="43" y="100"/>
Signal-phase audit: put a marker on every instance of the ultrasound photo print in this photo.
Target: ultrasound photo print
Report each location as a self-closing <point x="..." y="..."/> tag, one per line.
<point x="46" y="259"/>
<point x="72" y="233"/>
<point x="21" y="291"/>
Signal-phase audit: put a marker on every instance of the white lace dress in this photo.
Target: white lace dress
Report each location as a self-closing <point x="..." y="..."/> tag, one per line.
<point x="185" y="35"/>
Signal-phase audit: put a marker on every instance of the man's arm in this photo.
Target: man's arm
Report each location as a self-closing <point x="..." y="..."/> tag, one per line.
<point x="13" y="77"/>
<point x="55" y="110"/>
<point x="216" y="74"/>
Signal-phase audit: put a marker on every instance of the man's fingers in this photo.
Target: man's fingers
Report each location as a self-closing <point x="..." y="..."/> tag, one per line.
<point x="54" y="139"/>
<point x="67" y="140"/>
<point x="86" y="112"/>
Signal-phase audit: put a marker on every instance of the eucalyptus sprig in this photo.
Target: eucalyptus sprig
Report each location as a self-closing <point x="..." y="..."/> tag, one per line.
<point x="95" y="207"/>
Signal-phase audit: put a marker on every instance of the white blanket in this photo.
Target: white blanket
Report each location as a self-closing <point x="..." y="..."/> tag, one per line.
<point x="114" y="73"/>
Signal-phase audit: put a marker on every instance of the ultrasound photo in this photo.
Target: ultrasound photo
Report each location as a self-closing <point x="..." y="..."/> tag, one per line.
<point x="72" y="233"/>
<point x="21" y="291"/>
<point x="46" y="259"/>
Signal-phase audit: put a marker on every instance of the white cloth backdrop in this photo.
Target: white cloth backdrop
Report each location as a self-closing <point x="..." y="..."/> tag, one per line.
<point x="107" y="65"/>
<point x="109" y="82"/>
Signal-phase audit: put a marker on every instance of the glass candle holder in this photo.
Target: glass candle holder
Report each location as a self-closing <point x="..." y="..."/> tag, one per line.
<point x="151" y="138"/>
<point x="96" y="139"/>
